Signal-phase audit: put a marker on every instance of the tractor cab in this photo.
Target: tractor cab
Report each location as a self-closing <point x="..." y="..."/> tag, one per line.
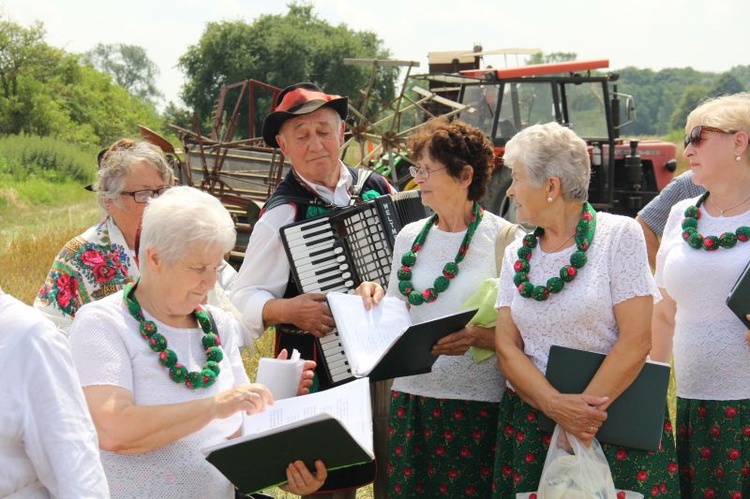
<point x="502" y="102"/>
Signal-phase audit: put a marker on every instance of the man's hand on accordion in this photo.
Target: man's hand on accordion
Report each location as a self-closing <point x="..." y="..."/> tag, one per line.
<point x="309" y="312"/>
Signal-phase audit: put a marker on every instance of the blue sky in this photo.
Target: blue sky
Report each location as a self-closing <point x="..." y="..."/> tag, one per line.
<point x="706" y="35"/>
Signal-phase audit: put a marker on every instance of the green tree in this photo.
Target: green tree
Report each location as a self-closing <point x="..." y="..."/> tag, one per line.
<point x="542" y="58"/>
<point x="128" y="65"/>
<point x="19" y="47"/>
<point x="176" y="115"/>
<point x="281" y="50"/>
<point x="691" y="97"/>
<point x="657" y="94"/>
<point x="47" y="92"/>
<point x="726" y="84"/>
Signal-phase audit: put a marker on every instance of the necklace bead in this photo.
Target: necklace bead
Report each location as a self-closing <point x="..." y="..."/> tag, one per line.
<point x="696" y="240"/>
<point x="585" y="230"/>
<point x="168" y="358"/>
<point x="450" y="270"/>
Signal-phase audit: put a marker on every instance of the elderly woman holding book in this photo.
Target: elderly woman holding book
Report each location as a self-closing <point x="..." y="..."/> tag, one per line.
<point x="703" y="252"/>
<point x="161" y="372"/>
<point x="441" y="423"/>
<point x="582" y="280"/>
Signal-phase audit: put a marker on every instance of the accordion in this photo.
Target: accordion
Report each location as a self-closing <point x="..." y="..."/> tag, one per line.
<point x="341" y="249"/>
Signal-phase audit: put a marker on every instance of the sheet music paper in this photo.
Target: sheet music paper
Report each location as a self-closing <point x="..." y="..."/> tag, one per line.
<point x="349" y="403"/>
<point x="368" y="334"/>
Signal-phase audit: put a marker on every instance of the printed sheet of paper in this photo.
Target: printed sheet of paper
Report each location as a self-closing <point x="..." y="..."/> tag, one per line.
<point x="368" y="334"/>
<point x="349" y="403"/>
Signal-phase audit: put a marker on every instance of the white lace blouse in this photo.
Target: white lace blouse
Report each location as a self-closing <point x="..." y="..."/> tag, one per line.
<point x="581" y="315"/>
<point x="108" y="350"/>
<point x="711" y="357"/>
<point x="452" y="377"/>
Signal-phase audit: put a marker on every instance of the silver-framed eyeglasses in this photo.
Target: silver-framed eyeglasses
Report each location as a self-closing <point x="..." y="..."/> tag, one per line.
<point x="144" y="195"/>
<point x="423" y="172"/>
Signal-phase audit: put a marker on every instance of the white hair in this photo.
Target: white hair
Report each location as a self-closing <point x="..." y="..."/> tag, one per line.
<point x="184" y="216"/>
<point x="552" y="150"/>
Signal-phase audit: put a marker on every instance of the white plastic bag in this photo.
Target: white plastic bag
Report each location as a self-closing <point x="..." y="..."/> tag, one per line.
<point x="573" y="471"/>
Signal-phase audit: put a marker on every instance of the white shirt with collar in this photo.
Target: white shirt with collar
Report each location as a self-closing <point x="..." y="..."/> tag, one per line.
<point x="265" y="271"/>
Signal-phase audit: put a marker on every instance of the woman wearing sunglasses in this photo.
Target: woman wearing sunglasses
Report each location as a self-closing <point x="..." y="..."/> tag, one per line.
<point x="703" y="252"/>
<point x="102" y="260"/>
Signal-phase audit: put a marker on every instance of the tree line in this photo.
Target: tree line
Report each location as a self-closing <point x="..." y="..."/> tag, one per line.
<point x="96" y="97"/>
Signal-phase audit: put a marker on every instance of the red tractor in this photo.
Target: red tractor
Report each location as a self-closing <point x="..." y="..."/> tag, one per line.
<point x="625" y="174"/>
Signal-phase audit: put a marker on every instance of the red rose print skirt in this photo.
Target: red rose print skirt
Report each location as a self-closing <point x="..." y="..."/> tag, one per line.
<point x="522" y="448"/>
<point x="440" y="447"/>
<point x="713" y="447"/>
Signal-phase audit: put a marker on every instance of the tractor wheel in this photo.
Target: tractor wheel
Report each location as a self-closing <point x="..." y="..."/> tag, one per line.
<point x="496" y="200"/>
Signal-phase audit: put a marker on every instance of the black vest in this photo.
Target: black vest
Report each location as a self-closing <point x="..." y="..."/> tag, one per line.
<point x="291" y="191"/>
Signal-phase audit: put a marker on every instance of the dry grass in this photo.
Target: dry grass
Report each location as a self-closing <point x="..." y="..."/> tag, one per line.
<point x="31" y="241"/>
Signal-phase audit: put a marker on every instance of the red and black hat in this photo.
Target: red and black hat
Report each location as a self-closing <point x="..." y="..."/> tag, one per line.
<point x="296" y="100"/>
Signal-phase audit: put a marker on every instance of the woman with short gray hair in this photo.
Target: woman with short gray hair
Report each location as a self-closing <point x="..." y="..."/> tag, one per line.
<point x="161" y="372"/>
<point x="581" y="280"/>
<point x="118" y="161"/>
<point x="102" y="260"/>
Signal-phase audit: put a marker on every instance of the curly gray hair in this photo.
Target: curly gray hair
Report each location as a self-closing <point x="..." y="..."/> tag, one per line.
<point x="117" y="163"/>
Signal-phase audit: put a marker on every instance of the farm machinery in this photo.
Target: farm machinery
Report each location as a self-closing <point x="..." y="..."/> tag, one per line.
<point x="243" y="173"/>
<point x="625" y="174"/>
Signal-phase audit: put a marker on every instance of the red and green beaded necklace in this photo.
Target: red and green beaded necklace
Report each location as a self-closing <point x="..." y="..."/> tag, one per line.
<point x="584" y="236"/>
<point x="450" y="270"/>
<point x="158" y="343"/>
<point x="697" y="240"/>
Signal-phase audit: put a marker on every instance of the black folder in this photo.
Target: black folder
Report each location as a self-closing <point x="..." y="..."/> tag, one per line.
<point x="635" y="419"/>
<point x="412" y="351"/>
<point x="260" y="463"/>
<point x="738" y="299"/>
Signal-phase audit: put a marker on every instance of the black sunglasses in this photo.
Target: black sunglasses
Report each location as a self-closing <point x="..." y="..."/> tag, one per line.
<point x="696" y="134"/>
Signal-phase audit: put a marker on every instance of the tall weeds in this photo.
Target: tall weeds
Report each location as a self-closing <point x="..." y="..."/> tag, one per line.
<point x="29" y="156"/>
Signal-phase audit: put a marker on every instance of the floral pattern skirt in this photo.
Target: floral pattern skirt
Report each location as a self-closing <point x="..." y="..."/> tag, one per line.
<point x="713" y="447"/>
<point x="440" y="447"/>
<point x="522" y="449"/>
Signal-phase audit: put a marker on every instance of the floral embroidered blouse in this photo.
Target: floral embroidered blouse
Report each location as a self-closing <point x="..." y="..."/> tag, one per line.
<point x="89" y="267"/>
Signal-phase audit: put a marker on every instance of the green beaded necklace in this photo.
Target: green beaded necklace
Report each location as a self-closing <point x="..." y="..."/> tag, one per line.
<point x="709" y="243"/>
<point x="450" y="270"/>
<point x="585" y="230"/>
<point x="158" y="343"/>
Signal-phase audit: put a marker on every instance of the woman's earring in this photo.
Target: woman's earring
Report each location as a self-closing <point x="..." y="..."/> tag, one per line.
<point x="738" y="158"/>
<point x="549" y="199"/>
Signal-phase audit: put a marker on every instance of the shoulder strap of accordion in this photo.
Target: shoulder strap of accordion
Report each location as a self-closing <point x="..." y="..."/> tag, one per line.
<point x="362" y="175"/>
<point x="279" y="200"/>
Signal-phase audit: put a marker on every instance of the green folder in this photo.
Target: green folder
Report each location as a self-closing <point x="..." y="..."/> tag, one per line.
<point x="258" y="464"/>
<point x="739" y="297"/>
<point x="635" y="419"/>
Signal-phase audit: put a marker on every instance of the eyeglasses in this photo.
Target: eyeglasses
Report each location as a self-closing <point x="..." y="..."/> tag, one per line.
<point x="423" y="172"/>
<point x="144" y="195"/>
<point x="696" y="134"/>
